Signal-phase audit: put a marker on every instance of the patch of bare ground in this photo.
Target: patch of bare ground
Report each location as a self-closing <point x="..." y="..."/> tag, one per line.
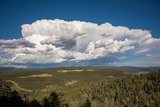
<point x="71" y="82"/>
<point x="37" y="75"/>
<point x="75" y="70"/>
<point x="17" y="85"/>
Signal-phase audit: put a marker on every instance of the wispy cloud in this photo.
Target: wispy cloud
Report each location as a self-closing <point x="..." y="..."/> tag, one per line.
<point x="142" y="51"/>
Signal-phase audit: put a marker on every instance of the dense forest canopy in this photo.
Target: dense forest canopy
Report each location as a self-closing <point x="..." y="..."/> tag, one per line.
<point x="130" y="90"/>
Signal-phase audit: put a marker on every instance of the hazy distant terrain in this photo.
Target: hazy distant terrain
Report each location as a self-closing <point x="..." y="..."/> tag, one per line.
<point x="12" y="70"/>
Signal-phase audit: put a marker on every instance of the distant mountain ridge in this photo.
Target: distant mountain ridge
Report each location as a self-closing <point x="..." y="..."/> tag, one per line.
<point x="11" y="70"/>
<point x="139" y="69"/>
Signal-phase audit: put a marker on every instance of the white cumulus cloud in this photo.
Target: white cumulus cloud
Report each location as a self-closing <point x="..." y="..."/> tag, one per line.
<point x="56" y="41"/>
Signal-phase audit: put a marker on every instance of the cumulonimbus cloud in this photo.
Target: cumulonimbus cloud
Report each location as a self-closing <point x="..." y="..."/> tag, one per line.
<point x="56" y="41"/>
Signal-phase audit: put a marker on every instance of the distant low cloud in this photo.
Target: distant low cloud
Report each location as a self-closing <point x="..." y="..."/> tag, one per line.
<point x="57" y="41"/>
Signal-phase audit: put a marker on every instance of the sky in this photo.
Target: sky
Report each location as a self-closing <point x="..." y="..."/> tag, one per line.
<point x="37" y="33"/>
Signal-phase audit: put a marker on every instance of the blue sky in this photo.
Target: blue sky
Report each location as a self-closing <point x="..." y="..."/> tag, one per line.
<point x="133" y="14"/>
<point x="143" y="14"/>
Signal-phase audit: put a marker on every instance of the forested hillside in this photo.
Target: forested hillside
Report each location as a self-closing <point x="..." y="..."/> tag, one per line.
<point x="129" y="90"/>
